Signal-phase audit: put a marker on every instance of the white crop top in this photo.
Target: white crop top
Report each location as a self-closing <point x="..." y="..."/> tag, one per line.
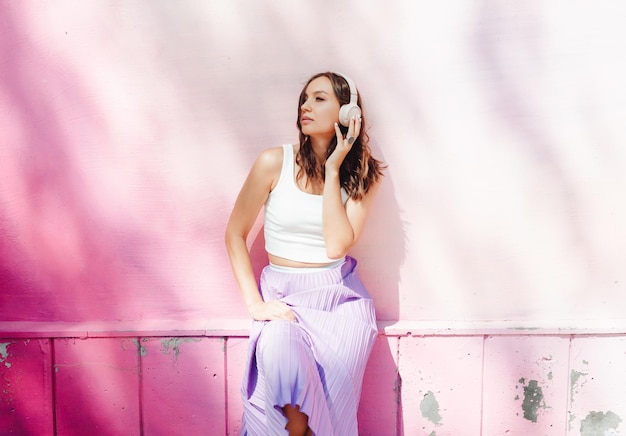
<point x="293" y="218"/>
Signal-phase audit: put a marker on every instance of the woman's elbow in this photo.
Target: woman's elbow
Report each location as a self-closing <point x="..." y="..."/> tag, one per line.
<point x="338" y="246"/>
<point x="336" y="251"/>
<point x="228" y="235"/>
<point x="231" y="236"/>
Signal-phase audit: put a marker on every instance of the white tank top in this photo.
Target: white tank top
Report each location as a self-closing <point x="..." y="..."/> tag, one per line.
<point x="293" y="218"/>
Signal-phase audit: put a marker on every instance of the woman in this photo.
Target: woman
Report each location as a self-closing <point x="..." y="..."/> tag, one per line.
<point x="314" y="324"/>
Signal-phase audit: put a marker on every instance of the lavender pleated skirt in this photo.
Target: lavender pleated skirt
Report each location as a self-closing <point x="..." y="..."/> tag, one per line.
<point x="316" y="362"/>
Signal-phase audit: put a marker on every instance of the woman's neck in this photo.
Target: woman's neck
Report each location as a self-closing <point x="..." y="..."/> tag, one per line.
<point x="320" y="148"/>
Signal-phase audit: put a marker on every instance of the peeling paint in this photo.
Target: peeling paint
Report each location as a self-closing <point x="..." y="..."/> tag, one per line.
<point x="140" y="348"/>
<point x="576" y="382"/>
<point x="4" y="353"/>
<point x="577" y="379"/>
<point x="533" y="399"/>
<point x="397" y="388"/>
<point x="571" y="420"/>
<point x="173" y="344"/>
<point x="430" y="408"/>
<point x="598" y="423"/>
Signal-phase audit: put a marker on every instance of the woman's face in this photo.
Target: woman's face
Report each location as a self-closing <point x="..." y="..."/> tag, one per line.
<point x="320" y="110"/>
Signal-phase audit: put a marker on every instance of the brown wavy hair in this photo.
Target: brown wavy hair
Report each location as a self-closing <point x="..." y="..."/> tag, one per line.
<point x="359" y="170"/>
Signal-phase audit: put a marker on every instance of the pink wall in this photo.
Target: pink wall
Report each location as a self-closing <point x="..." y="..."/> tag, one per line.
<point x="127" y="128"/>
<point x="500" y="383"/>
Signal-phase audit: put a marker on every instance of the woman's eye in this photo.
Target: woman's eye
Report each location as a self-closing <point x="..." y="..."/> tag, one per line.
<point x="319" y="99"/>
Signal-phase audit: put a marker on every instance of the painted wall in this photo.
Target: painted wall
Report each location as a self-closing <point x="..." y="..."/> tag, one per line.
<point x="432" y="385"/>
<point x="128" y="128"/>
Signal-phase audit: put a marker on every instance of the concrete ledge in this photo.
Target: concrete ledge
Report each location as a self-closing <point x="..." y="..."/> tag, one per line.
<point x="500" y="328"/>
<point x="25" y="329"/>
<point x="241" y="327"/>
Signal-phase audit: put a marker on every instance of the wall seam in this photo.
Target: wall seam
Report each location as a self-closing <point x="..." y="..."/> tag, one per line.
<point x="568" y="389"/>
<point x="140" y="383"/>
<point x="226" y="415"/>
<point x="53" y="384"/>
<point x="482" y="386"/>
<point x="399" y="416"/>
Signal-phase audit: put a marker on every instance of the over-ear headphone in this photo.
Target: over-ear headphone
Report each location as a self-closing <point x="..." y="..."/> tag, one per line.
<point x="352" y="109"/>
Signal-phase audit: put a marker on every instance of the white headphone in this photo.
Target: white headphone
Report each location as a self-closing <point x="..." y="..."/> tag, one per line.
<point x="352" y="109"/>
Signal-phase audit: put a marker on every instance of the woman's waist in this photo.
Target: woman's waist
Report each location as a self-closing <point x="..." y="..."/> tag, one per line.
<point x="338" y="278"/>
<point x="281" y="264"/>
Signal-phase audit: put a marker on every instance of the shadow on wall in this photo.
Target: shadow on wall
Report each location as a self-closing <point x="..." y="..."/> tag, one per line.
<point x="382" y="249"/>
<point x="381" y="252"/>
<point x="61" y="260"/>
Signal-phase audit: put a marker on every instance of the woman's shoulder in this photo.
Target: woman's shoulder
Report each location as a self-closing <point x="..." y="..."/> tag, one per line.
<point x="272" y="158"/>
<point x="269" y="164"/>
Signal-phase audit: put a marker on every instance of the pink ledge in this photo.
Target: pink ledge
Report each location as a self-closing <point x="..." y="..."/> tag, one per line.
<point x="241" y="328"/>
<point x="27" y="329"/>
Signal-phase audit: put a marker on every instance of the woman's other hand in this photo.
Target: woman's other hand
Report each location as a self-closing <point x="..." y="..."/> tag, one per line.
<point x="271" y="310"/>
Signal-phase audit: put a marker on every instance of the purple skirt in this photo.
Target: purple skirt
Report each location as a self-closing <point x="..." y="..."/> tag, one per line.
<point x="316" y="362"/>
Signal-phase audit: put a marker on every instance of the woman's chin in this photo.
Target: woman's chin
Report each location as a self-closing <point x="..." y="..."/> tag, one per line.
<point x="316" y="133"/>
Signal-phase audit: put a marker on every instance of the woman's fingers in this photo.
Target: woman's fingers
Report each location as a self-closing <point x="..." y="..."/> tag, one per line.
<point x="344" y="145"/>
<point x="271" y="310"/>
<point x="280" y="310"/>
<point x="285" y="312"/>
<point x="354" y="129"/>
<point x="338" y="133"/>
<point x="355" y="125"/>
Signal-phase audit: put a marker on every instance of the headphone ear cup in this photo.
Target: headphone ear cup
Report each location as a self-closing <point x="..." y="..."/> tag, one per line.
<point x="347" y="111"/>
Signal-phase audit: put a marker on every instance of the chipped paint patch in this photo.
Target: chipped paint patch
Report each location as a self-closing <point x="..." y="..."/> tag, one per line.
<point x="533" y="399"/>
<point x="397" y="388"/>
<point x="4" y="353"/>
<point x="173" y="345"/>
<point x="598" y="423"/>
<point x="430" y="408"/>
<point x="577" y="379"/>
<point x="576" y="382"/>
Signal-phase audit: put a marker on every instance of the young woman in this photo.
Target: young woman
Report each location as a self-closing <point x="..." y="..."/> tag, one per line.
<point x="314" y="323"/>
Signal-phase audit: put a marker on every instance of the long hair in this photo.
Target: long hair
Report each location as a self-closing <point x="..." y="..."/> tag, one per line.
<point x="359" y="170"/>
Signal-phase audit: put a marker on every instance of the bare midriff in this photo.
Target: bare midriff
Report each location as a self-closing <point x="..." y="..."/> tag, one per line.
<point x="281" y="261"/>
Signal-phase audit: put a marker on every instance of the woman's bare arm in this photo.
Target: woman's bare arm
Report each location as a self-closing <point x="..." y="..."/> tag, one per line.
<point x="260" y="181"/>
<point x="343" y="225"/>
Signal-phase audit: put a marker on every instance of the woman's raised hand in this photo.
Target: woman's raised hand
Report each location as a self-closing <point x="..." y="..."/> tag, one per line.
<point x="344" y="145"/>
